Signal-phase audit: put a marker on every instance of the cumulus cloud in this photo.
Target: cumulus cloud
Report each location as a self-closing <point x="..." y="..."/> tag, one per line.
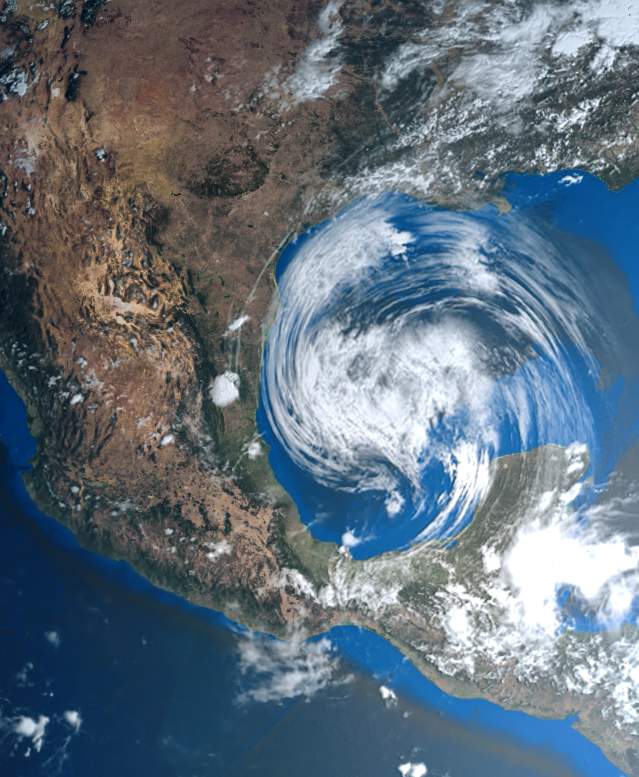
<point x="25" y="727"/>
<point x="216" y="550"/>
<point x="237" y="324"/>
<point x="388" y="695"/>
<point x="73" y="719"/>
<point x="53" y="638"/>
<point x="23" y="676"/>
<point x="225" y="389"/>
<point x="275" y="670"/>
<point x="394" y="503"/>
<point x="351" y="540"/>
<point x="254" y="450"/>
<point x="410" y="769"/>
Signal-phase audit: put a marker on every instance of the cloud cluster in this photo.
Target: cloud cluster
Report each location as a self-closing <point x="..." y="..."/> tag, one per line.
<point x="319" y="65"/>
<point x="511" y="617"/>
<point x="27" y="734"/>
<point x="276" y="670"/>
<point x="25" y="727"/>
<point x="410" y="769"/>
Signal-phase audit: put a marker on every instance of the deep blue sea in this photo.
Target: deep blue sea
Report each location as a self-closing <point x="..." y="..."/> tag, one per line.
<point x="134" y="681"/>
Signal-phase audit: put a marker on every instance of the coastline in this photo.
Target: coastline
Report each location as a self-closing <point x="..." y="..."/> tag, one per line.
<point x="133" y="574"/>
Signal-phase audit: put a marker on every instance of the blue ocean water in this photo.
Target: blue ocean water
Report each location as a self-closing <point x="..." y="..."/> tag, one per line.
<point x="156" y="682"/>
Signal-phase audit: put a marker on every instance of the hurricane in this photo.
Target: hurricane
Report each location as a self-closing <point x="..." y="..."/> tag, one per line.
<point x="413" y="345"/>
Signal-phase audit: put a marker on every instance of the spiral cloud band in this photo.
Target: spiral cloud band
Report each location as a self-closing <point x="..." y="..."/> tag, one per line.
<point x="412" y="345"/>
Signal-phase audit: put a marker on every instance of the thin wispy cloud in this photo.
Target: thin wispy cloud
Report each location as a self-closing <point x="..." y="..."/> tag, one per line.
<point x="275" y="670"/>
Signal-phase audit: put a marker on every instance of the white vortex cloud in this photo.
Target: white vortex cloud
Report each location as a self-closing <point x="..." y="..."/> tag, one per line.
<point x="402" y="352"/>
